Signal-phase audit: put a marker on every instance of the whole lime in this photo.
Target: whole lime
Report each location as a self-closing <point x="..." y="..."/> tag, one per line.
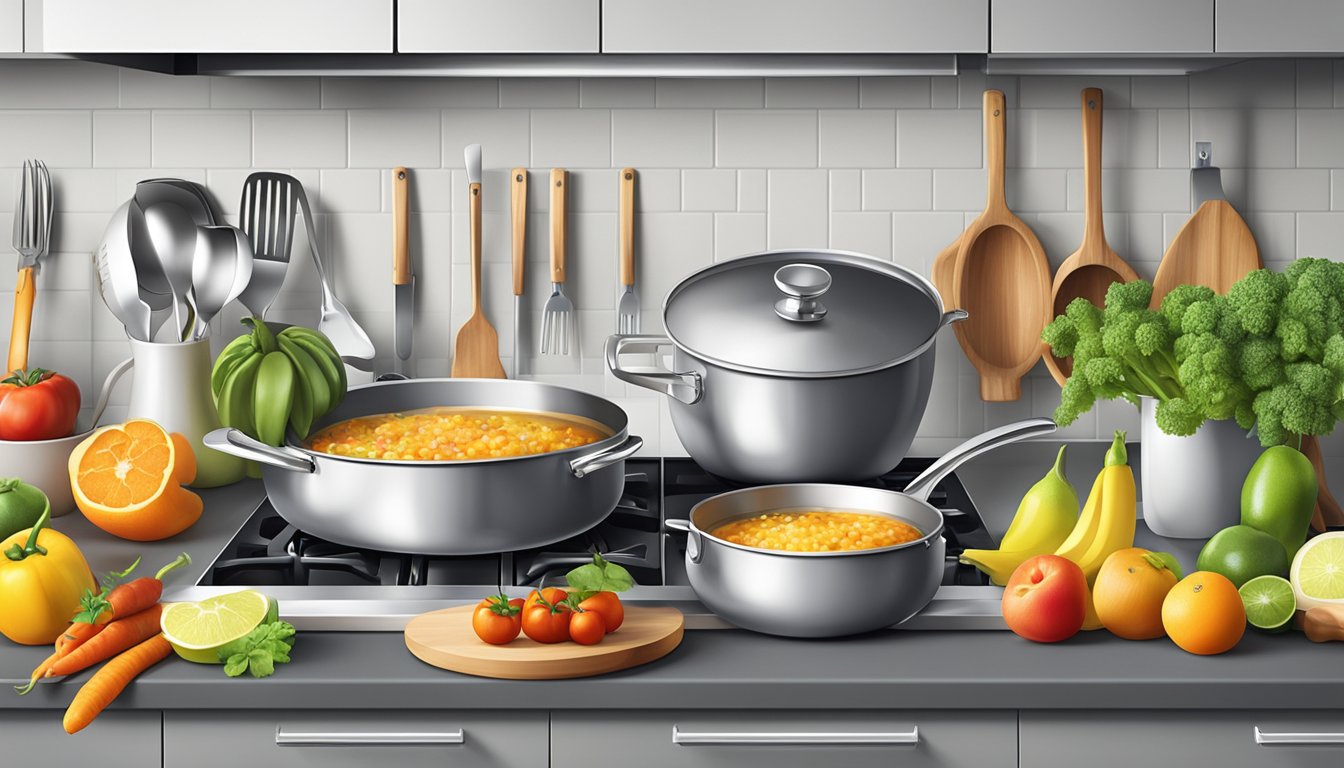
<point x="1241" y="553"/>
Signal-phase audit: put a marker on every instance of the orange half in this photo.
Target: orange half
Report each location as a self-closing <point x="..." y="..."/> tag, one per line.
<point x="126" y="480"/>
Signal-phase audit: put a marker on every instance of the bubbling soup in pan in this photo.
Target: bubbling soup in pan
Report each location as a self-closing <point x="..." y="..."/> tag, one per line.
<point x="817" y="530"/>
<point x="455" y="434"/>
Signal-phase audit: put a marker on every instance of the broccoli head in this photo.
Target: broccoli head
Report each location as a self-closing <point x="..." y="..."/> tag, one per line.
<point x="1179" y="299"/>
<point x="1256" y="299"/>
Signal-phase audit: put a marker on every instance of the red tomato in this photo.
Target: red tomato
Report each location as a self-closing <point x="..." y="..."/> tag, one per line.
<point x="1046" y="599"/>
<point x="547" y="624"/>
<point x="498" y="620"/>
<point x="607" y="604"/>
<point x="37" y="405"/>
<point x="552" y="595"/>
<point x="587" y="628"/>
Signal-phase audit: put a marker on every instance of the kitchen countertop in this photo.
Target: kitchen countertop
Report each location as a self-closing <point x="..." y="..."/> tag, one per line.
<point x="729" y="668"/>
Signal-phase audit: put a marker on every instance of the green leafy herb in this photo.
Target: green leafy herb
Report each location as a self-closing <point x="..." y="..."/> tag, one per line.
<point x="259" y="652"/>
<point x="599" y="576"/>
<point x="93" y="605"/>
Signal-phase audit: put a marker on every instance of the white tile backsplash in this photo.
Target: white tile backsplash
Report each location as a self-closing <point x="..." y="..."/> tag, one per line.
<point x="890" y="166"/>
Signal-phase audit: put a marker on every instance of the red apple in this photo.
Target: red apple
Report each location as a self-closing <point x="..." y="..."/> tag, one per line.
<point x="1046" y="599"/>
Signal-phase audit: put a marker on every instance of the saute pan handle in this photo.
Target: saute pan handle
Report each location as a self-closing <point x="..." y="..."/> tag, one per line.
<point x="695" y="547"/>
<point x="686" y="387"/>
<point x="921" y="486"/>
<point x="586" y="465"/>
<point x="235" y="443"/>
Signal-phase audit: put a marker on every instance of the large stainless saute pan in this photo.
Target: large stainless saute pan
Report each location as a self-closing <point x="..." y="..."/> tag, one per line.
<point x="447" y="507"/>
<point x="793" y="366"/>
<point x="828" y="594"/>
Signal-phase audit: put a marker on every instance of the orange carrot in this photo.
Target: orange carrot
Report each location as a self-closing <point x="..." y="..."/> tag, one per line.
<point x="117" y="637"/>
<point x="39" y="672"/>
<point x="76" y="635"/>
<point x="126" y="599"/>
<point x="108" y="682"/>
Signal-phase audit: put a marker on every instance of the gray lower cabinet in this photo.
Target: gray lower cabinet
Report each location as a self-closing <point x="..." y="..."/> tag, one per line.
<point x="117" y="739"/>
<point x="337" y="739"/>
<point x="785" y="739"/>
<point x="1227" y="739"/>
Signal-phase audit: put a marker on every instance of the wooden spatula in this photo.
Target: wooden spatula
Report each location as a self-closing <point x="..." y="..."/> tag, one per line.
<point x="1215" y="247"/>
<point x="1094" y="266"/>
<point x="477" y="350"/>
<point x="1002" y="279"/>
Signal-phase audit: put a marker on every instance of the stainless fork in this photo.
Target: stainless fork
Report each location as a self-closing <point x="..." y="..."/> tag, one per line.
<point x="32" y="237"/>
<point x="557" y="319"/>
<point x="627" y="311"/>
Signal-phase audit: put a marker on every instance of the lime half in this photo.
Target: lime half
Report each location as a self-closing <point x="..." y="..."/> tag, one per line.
<point x="1317" y="572"/>
<point x="198" y="630"/>
<point x="1269" y="602"/>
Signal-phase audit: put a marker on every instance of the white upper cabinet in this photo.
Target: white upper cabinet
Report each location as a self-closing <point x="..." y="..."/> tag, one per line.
<point x="11" y="26"/>
<point x="1086" y="27"/>
<point x="236" y="26"/>
<point x="498" y="26"/>
<point x="795" y="26"/>
<point x="1280" y="26"/>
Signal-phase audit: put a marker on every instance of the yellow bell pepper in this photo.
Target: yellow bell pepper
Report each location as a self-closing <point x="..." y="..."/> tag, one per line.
<point x="42" y="577"/>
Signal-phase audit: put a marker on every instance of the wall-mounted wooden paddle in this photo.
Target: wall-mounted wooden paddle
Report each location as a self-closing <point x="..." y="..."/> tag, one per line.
<point x="1215" y="247"/>
<point x="1001" y="278"/>
<point x="1094" y="266"/>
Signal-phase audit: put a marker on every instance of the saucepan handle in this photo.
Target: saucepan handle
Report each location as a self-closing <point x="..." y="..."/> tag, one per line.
<point x="235" y="443"/>
<point x="687" y="387"/>
<point x="586" y="465"/>
<point x="922" y="486"/>
<point x="695" y="545"/>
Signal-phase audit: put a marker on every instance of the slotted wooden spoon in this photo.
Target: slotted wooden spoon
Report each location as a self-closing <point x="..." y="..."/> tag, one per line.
<point x="1094" y="266"/>
<point x="1215" y="247"/>
<point x="1002" y="279"/>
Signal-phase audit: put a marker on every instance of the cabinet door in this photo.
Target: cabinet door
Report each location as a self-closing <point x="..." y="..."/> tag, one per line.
<point x="117" y="739"/>
<point x="787" y="739"/>
<point x="499" y="26"/>
<point x="1102" y="26"/>
<point x="794" y="26"/>
<point x="1227" y="739"/>
<point x="11" y="26"/>
<point x="1281" y="26"/>
<point x="341" y="739"/>
<point x="238" y="26"/>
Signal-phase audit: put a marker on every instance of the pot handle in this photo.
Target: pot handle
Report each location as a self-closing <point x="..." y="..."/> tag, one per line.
<point x="235" y="443"/>
<point x="695" y="545"/>
<point x="687" y="387"/>
<point x="922" y="486"/>
<point x="585" y="465"/>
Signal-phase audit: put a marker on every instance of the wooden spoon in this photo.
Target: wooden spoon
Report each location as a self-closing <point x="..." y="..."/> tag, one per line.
<point x="1002" y="279"/>
<point x="1094" y="266"/>
<point x="1215" y="248"/>
<point x="477" y="348"/>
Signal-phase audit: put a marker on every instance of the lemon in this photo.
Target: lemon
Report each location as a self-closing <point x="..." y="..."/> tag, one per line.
<point x="1317" y="572"/>
<point x="198" y="630"/>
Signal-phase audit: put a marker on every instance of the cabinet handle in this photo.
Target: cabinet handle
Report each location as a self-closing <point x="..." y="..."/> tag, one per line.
<point x="692" y="739"/>
<point x="1267" y="739"/>
<point x="285" y="738"/>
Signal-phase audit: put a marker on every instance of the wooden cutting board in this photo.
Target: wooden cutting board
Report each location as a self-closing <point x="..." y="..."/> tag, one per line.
<point x="445" y="639"/>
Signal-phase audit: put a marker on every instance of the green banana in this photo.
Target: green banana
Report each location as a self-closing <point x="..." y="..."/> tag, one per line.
<point x="235" y="399"/>
<point x="333" y="371"/>
<point x="237" y="351"/>
<point x="310" y="378"/>
<point x="301" y="412"/>
<point x="273" y="397"/>
<point x="322" y="342"/>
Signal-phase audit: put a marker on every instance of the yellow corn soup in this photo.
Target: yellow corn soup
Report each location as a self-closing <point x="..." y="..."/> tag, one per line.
<point x="454" y="434"/>
<point x="817" y="530"/>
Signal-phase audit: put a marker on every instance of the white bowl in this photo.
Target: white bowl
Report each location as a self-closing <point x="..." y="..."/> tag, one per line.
<point x="43" y="463"/>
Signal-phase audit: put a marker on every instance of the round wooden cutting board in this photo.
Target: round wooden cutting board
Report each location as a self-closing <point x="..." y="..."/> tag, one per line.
<point x="445" y="639"/>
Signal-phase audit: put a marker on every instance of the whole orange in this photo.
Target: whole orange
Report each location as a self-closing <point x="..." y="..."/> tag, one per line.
<point x="1129" y="591"/>
<point x="1203" y="614"/>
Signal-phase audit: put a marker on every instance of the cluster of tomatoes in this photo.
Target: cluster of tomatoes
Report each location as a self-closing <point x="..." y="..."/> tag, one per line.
<point x="550" y="615"/>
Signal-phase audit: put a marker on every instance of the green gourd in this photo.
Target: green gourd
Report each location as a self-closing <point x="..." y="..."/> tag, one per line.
<point x="1279" y="496"/>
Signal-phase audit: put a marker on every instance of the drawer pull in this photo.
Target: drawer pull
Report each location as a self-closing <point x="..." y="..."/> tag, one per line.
<point x="1266" y="739"/>
<point x="285" y="738"/>
<point x="692" y="738"/>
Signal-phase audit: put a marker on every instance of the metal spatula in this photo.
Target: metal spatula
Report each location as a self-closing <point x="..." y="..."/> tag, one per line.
<point x="266" y="216"/>
<point x="557" y="319"/>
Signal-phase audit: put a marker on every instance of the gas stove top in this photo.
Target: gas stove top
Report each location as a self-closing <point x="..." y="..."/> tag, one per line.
<point x="323" y="585"/>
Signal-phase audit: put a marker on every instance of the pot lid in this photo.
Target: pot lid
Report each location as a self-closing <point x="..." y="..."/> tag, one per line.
<point x="803" y="313"/>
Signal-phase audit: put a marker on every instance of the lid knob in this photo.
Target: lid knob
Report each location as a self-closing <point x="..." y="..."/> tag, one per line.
<point x="803" y="284"/>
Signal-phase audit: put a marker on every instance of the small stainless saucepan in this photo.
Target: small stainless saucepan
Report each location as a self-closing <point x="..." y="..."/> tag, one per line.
<point x="829" y="594"/>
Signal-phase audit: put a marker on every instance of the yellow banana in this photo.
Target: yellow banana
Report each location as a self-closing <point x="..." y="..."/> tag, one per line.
<point x="1115" y="530"/>
<point x="1078" y="541"/>
<point x="1046" y="515"/>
